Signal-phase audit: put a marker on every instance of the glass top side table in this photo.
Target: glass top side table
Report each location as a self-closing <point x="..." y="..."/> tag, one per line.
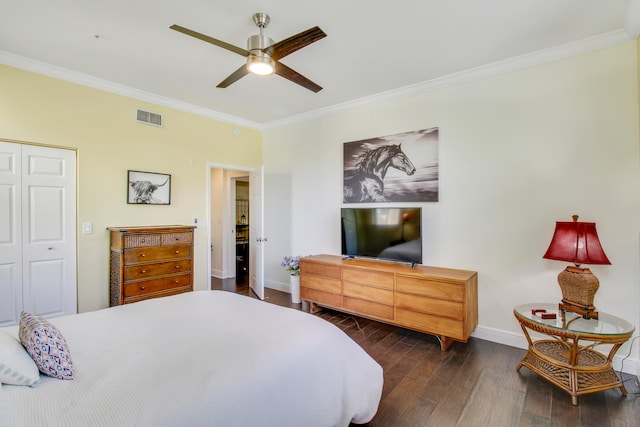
<point x="568" y="359"/>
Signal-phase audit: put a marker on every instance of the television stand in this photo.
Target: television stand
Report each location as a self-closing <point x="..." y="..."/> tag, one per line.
<point x="433" y="300"/>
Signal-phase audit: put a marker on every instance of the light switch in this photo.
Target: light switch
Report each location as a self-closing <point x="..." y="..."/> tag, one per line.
<point x="87" y="228"/>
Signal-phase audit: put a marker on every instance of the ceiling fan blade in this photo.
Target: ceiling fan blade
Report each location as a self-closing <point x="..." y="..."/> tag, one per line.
<point x="234" y="77"/>
<point x="292" y="75"/>
<point x="211" y="40"/>
<point x="287" y="46"/>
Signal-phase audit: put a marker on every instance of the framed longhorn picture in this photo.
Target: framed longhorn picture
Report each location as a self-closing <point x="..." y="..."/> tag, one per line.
<point x="148" y="188"/>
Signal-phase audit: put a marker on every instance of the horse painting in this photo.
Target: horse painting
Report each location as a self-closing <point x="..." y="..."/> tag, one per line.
<point x="367" y="183"/>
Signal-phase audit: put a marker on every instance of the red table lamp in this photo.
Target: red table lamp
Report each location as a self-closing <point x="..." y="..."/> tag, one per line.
<point x="577" y="242"/>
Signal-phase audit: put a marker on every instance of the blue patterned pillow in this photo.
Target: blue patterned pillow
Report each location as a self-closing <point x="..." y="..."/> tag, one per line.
<point x="16" y="366"/>
<point x="46" y="346"/>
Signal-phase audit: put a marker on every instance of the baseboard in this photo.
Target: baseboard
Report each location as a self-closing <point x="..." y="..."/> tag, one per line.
<point x="278" y="286"/>
<point x="621" y="362"/>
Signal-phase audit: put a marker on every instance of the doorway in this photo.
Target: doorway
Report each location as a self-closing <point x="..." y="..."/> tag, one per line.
<point x="235" y="221"/>
<point x="242" y="221"/>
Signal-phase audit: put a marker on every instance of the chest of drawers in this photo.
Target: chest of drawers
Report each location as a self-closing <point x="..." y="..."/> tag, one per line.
<point x="150" y="262"/>
<point x="439" y="301"/>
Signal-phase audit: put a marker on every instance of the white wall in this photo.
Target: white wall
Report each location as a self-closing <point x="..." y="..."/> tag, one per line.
<point x="518" y="151"/>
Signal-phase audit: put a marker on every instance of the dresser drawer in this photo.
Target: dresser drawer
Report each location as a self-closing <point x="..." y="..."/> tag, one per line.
<point x="141" y="240"/>
<point x="157" y="253"/>
<point x="321" y="283"/>
<point x="440" y="307"/>
<point x="430" y="288"/>
<point x="369" y="277"/>
<point x="176" y="238"/>
<point x="369" y="293"/>
<point x="143" y="271"/>
<point x="156" y="285"/>
<point x="317" y="269"/>
<point x="431" y="323"/>
<point x="157" y="295"/>
<point x="320" y="297"/>
<point x="368" y="308"/>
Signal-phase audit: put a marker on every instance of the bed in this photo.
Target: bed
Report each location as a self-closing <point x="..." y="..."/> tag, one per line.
<point x="209" y="358"/>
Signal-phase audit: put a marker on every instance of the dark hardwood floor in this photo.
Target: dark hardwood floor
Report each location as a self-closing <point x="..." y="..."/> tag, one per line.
<point x="473" y="384"/>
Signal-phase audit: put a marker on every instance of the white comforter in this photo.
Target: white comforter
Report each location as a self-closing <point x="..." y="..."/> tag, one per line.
<point x="207" y="358"/>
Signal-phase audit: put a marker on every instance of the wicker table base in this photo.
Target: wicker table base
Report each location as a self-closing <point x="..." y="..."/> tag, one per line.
<point x="568" y="359"/>
<point x="592" y="373"/>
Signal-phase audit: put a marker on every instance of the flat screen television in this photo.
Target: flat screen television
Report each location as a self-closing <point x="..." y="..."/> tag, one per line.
<point x="391" y="234"/>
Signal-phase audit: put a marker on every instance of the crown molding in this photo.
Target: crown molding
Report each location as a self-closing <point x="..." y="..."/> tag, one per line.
<point x="536" y="58"/>
<point x="60" y="73"/>
<point x="632" y="26"/>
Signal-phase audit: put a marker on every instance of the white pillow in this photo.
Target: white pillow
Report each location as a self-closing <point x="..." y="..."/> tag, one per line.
<point x="16" y="366"/>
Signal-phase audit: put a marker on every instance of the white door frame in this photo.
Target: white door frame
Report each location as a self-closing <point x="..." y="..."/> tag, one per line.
<point x="226" y="227"/>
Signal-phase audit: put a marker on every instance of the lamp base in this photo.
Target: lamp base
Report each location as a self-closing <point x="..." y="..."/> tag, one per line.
<point x="588" y="312"/>
<point x="579" y="287"/>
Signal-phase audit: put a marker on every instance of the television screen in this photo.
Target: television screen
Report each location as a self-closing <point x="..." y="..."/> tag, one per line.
<point x="384" y="233"/>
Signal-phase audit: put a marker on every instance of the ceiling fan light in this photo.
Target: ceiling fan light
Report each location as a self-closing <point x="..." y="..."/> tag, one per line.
<point x="261" y="65"/>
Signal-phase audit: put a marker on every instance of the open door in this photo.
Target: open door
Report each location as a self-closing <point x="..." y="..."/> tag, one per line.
<point x="256" y="227"/>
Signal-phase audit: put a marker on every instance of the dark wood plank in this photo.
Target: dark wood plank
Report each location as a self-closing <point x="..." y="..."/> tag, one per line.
<point x="593" y="409"/>
<point x="537" y="403"/>
<point x="563" y="413"/>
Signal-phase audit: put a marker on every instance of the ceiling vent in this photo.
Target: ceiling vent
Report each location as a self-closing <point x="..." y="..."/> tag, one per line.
<point x="149" y="118"/>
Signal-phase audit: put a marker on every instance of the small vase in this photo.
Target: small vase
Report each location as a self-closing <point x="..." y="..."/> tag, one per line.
<point x="294" y="282"/>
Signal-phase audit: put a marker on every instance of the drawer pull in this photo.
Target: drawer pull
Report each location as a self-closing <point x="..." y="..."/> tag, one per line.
<point x="142" y="288"/>
<point x="177" y="281"/>
<point x="142" y="255"/>
<point x="143" y="271"/>
<point x="177" y="252"/>
<point x="178" y="266"/>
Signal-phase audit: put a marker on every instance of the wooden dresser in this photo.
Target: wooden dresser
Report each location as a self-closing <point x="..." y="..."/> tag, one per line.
<point x="438" y="301"/>
<point x="150" y="262"/>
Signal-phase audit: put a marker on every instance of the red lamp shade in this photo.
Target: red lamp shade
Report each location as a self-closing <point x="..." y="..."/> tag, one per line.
<point x="576" y="242"/>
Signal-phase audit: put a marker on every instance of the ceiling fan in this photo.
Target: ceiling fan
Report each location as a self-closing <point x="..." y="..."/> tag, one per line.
<point x="263" y="55"/>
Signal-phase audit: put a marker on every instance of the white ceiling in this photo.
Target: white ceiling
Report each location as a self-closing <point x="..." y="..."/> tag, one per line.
<point x="373" y="47"/>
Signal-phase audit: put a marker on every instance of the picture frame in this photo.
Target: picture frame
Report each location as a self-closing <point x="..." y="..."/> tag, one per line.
<point x="403" y="167"/>
<point x="148" y="188"/>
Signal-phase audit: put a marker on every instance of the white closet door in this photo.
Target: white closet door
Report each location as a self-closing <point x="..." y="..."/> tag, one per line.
<point x="49" y="231"/>
<point x="10" y="234"/>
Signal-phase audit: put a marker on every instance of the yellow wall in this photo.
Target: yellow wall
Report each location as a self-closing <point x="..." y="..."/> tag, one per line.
<point x="102" y="127"/>
<point x="638" y="71"/>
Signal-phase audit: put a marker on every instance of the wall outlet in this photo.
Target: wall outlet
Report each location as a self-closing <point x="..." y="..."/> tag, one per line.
<point x="87" y="228"/>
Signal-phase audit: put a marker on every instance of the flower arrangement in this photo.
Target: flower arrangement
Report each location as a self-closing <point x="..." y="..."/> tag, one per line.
<point x="291" y="264"/>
